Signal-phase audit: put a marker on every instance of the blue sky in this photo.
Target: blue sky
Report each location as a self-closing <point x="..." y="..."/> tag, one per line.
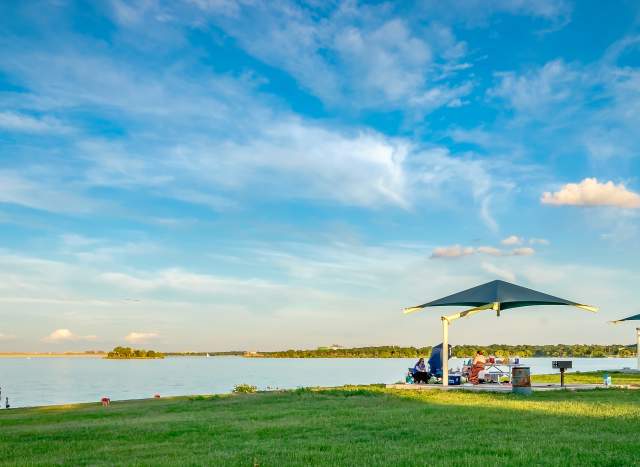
<point x="219" y="174"/>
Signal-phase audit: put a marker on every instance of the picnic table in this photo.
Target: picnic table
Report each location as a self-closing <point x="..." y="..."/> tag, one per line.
<point x="496" y="370"/>
<point x="499" y="369"/>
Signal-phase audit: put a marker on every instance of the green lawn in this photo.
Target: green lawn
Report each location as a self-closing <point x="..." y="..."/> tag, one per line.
<point x="588" y="378"/>
<point x="357" y="426"/>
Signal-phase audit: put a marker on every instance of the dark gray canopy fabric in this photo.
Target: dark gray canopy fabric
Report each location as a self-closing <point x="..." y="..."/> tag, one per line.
<point x="507" y="295"/>
<point x="629" y="318"/>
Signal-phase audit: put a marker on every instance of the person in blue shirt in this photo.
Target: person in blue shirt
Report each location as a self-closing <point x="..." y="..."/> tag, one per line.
<point x="420" y="373"/>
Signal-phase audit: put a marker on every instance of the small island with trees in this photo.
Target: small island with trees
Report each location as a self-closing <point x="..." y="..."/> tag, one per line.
<point x="127" y="353"/>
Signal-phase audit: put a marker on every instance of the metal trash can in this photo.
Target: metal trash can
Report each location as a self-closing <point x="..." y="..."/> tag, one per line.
<point x="521" y="380"/>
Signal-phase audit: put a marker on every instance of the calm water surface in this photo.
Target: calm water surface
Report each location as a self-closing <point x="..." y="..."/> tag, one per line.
<point x="44" y="381"/>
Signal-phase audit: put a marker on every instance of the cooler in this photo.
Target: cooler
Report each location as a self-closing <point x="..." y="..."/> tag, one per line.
<point x="454" y="380"/>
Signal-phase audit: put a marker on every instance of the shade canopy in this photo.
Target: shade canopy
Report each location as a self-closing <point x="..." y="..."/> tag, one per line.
<point x="629" y="318"/>
<point x="500" y="295"/>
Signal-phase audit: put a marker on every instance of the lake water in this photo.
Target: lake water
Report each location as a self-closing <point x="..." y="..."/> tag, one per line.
<point x="44" y="381"/>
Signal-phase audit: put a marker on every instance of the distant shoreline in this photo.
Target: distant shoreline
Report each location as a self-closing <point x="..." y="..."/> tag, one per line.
<point x="51" y="355"/>
<point x="133" y="358"/>
<point x="388" y="351"/>
<point x="260" y="357"/>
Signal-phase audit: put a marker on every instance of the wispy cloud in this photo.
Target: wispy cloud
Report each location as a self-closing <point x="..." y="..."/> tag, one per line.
<point x="477" y="13"/>
<point x="512" y="240"/>
<point x="44" y="190"/>
<point x="239" y="138"/>
<point x="321" y="153"/>
<point x="489" y="250"/>
<point x="458" y="251"/>
<point x="102" y="250"/>
<point x="65" y="335"/>
<point x="563" y="105"/>
<point x="503" y="273"/>
<point x="591" y="192"/>
<point x="138" y="337"/>
<point x="361" y="55"/>
<point x="539" y="241"/>
<point x="522" y="251"/>
<point x="534" y="92"/>
<point x="14" y="121"/>
<point x="453" y="251"/>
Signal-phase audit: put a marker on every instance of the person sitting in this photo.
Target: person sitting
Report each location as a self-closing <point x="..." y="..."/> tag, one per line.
<point x="420" y="373"/>
<point x="476" y="367"/>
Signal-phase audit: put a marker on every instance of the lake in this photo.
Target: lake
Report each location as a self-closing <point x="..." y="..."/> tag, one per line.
<point x="45" y="381"/>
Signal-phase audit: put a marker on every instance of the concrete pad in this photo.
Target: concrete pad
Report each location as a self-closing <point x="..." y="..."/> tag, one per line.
<point x="493" y="387"/>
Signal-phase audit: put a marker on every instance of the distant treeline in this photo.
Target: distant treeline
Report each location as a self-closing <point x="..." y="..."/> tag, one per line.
<point x="204" y="354"/>
<point x="387" y="351"/>
<point x="128" y="352"/>
<point x="559" y="350"/>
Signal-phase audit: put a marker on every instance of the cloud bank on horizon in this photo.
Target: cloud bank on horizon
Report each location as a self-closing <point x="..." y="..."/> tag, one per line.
<point x="234" y="175"/>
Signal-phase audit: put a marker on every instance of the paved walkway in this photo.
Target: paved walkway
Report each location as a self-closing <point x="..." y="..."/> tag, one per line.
<point x="492" y="387"/>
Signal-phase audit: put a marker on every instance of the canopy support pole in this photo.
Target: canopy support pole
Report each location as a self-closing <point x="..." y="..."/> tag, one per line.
<point x="446" y="320"/>
<point x="638" y="346"/>
<point x="445" y="350"/>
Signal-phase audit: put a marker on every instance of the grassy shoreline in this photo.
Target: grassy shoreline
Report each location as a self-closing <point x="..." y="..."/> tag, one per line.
<point x="133" y="358"/>
<point x="367" y="425"/>
<point x="591" y="377"/>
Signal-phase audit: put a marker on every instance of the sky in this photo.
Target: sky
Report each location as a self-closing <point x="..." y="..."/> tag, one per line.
<point x="222" y="174"/>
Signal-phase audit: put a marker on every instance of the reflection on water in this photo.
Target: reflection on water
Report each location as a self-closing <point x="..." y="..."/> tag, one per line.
<point x="43" y="381"/>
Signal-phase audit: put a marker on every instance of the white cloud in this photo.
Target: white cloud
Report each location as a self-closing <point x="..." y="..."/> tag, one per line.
<point x="489" y="250"/>
<point x="317" y="281"/>
<point x="361" y="55"/>
<point x="252" y="293"/>
<point x="389" y="60"/>
<point x="523" y="251"/>
<point x="533" y="93"/>
<point x="292" y="158"/>
<point x="6" y="337"/>
<point x="458" y="251"/>
<point x="500" y="272"/>
<point x="237" y="143"/>
<point x="43" y="190"/>
<point x="73" y="240"/>
<point x="61" y="335"/>
<point x="478" y="12"/>
<point x="454" y="251"/>
<point x="560" y="96"/>
<point x="89" y="249"/>
<point x="512" y="240"/>
<point x="439" y="175"/>
<point x="18" y="122"/>
<point x="590" y="192"/>
<point x="555" y="10"/>
<point x="367" y="167"/>
<point x="539" y="241"/>
<point x="137" y="337"/>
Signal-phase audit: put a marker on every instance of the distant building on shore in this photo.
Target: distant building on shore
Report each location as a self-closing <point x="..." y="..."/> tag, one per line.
<point x="332" y="347"/>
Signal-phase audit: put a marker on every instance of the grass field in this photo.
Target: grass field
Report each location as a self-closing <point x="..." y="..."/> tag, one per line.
<point x="348" y="426"/>
<point x="594" y="377"/>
